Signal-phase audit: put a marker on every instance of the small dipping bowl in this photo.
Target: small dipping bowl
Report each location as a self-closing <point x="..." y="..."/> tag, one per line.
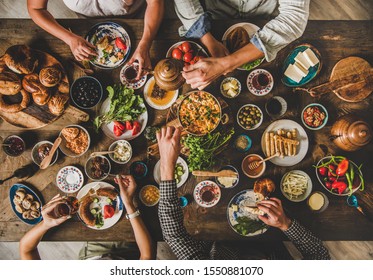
<point x="88" y="168"/>
<point x="317" y="202"/>
<point x="16" y="146"/>
<point x="256" y="173"/>
<point x="149" y="191"/>
<point x="114" y="145"/>
<point x="225" y="92"/>
<point x="183" y="201"/>
<point x="235" y="183"/>
<point x="243" y="143"/>
<point x="35" y="153"/>
<point x="139" y="169"/>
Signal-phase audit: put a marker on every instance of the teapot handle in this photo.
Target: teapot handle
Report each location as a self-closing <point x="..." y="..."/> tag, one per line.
<point x="333" y="137"/>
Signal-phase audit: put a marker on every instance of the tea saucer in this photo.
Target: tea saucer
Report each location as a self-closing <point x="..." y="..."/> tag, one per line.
<point x="134" y="85"/>
<point x="197" y="194"/>
<point x="69" y="179"/>
<point x="259" y="92"/>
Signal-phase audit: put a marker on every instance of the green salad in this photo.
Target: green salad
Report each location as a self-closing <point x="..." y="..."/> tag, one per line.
<point x="246" y="225"/>
<point x="251" y="65"/>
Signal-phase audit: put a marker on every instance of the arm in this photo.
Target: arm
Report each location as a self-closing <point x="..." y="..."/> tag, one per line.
<point x="152" y="20"/>
<point x="80" y="48"/>
<point x="310" y="246"/>
<point x="288" y="26"/>
<point x="127" y="187"/>
<point x="170" y="214"/>
<point x="28" y="244"/>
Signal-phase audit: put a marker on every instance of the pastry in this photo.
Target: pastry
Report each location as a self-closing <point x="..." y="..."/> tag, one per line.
<point x="3" y="66"/>
<point x="40" y="93"/>
<point x="21" y="59"/>
<point x="63" y="87"/>
<point x="263" y="188"/>
<point x="108" y="192"/>
<point x="85" y="211"/>
<point x="13" y="108"/>
<point x="10" y="83"/>
<point x="57" y="103"/>
<point x="237" y="39"/>
<point x="50" y="76"/>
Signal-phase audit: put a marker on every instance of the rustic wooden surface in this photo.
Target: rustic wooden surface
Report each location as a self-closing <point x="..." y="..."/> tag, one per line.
<point x="335" y="40"/>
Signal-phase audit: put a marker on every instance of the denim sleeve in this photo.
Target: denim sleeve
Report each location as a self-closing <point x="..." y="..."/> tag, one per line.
<point x="200" y="27"/>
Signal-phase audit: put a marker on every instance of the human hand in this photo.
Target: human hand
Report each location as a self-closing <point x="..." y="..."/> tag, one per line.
<point x="215" y="47"/>
<point x="81" y="48"/>
<point x="169" y="150"/>
<point x="142" y="56"/>
<point x="275" y="214"/>
<point x="202" y="73"/>
<point x="127" y="187"/>
<point x="48" y="220"/>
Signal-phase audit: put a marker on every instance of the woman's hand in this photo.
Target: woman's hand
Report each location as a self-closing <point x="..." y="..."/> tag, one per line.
<point x="202" y="73"/>
<point x="48" y="220"/>
<point x="142" y="56"/>
<point x="81" y="48"/>
<point x="275" y="214"/>
<point x="127" y="187"/>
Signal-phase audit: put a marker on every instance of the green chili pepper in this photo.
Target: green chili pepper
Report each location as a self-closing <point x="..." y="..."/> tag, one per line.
<point x="352" y="173"/>
<point x="349" y="182"/>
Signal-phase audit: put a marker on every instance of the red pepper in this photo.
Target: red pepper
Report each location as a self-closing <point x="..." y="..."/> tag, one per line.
<point x="331" y="167"/>
<point x="340" y="186"/>
<point x="332" y="179"/>
<point x="328" y="185"/>
<point x="323" y="171"/>
<point x="342" y="167"/>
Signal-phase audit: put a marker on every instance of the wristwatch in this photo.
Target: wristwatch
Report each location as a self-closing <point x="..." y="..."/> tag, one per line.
<point x="133" y="215"/>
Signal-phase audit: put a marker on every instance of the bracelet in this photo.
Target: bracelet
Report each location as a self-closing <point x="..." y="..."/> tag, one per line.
<point x="133" y="215"/>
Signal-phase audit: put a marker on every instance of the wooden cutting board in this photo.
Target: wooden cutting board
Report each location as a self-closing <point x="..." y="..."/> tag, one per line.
<point x="36" y="116"/>
<point x="351" y="80"/>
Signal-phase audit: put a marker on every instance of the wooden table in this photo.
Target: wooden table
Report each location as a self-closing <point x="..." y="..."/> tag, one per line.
<point x="334" y="39"/>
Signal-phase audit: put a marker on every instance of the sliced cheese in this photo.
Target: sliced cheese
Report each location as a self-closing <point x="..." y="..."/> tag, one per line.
<point x="232" y="92"/>
<point x="293" y="74"/>
<point x="300" y="69"/>
<point x="311" y="57"/>
<point x="226" y="86"/>
<point x="301" y="59"/>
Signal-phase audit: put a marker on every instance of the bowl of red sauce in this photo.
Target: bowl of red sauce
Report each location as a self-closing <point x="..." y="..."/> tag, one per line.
<point x="14" y="146"/>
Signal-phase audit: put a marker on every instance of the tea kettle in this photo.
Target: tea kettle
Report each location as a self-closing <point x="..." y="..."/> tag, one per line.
<point x="351" y="133"/>
<point x="167" y="74"/>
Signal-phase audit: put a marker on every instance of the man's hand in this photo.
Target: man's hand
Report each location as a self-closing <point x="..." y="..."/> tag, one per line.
<point x="127" y="187"/>
<point x="202" y="73"/>
<point x="48" y="220"/>
<point x="275" y="214"/>
<point x="215" y="48"/>
<point x="81" y="48"/>
<point x="169" y="150"/>
<point x="142" y="56"/>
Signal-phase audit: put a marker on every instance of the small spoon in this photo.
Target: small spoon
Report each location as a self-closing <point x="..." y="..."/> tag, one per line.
<point x="95" y="154"/>
<point x="255" y="164"/>
<point x="352" y="201"/>
<point x="47" y="160"/>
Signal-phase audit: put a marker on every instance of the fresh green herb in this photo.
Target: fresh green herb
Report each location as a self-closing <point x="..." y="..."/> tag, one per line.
<point x="204" y="149"/>
<point x="251" y="65"/>
<point x="124" y="106"/>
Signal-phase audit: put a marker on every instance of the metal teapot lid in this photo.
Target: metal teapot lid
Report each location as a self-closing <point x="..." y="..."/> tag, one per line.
<point x="167" y="74"/>
<point x="359" y="133"/>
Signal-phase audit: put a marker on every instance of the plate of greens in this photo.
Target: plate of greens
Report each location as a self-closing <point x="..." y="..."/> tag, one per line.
<point x="241" y="221"/>
<point x="123" y="115"/>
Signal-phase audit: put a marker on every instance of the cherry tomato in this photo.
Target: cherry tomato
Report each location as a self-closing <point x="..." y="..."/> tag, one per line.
<point x="177" y="54"/>
<point x="188" y="57"/>
<point x="195" y="59"/>
<point x="120" y="44"/>
<point x="186" y="47"/>
<point x="180" y="47"/>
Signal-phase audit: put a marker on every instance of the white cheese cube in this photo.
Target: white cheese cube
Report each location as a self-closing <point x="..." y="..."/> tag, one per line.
<point x="231" y="92"/>
<point x="311" y="57"/>
<point x="226" y="86"/>
<point x="293" y="74"/>
<point x="301" y="59"/>
<point x="300" y="69"/>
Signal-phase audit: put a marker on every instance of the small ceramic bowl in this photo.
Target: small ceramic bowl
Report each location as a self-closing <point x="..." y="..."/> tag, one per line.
<point x="35" y="156"/>
<point x="322" y="109"/>
<point x="245" y="166"/>
<point x="68" y="152"/>
<point x="306" y="193"/>
<point x="149" y="195"/>
<point x="17" y="146"/>
<point x="241" y="113"/>
<point x="135" y="172"/>
<point x="235" y="183"/>
<point x="224" y="92"/>
<point x="86" y="92"/>
<point x="113" y="146"/>
<point x="248" y="145"/>
<point x="89" y="165"/>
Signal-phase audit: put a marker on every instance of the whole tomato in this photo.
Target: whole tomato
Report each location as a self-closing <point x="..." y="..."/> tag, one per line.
<point x="186" y="47"/>
<point x="188" y="57"/>
<point x="195" y="59"/>
<point x="177" y="54"/>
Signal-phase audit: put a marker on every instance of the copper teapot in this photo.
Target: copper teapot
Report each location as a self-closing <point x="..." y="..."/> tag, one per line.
<point x="350" y="133"/>
<point x="167" y="74"/>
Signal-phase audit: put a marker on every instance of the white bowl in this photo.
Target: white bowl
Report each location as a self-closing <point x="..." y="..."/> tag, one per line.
<point x="307" y="191"/>
<point x="34" y="153"/>
<point x="112" y="147"/>
<point x="255" y="126"/>
<point x="65" y="150"/>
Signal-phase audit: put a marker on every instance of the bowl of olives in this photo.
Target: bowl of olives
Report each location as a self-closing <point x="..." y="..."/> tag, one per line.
<point x="86" y="92"/>
<point x="249" y="117"/>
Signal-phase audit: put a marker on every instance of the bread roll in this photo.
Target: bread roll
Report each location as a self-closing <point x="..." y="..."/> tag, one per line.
<point x="40" y="93"/>
<point x="50" y="76"/>
<point x="57" y="103"/>
<point x="21" y="59"/>
<point x="3" y="66"/>
<point x="264" y="186"/>
<point x="10" y="83"/>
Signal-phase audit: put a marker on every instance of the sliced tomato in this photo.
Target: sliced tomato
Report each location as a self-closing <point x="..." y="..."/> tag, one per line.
<point x="117" y="131"/>
<point x="136" y="128"/>
<point x="109" y="211"/>
<point x="120" y="44"/>
<point x="129" y="125"/>
<point x="120" y="125"/>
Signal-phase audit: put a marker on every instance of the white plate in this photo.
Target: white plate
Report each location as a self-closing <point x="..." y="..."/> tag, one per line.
<point x="108" y="128"/>
<point x="238" y="199"/>
<point x="150" y="101"/>
<point x="136" y="85"/>
<point x="69" y="179"/>
<point x="118" y="205"/>
<point x="250" y="28"/>
<point x="302" y="138"/>
<point x="184" y="177"/>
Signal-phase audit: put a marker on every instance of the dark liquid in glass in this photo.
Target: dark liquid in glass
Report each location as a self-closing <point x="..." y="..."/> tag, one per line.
<point x="260" y="81"/>
<point x="61" y="210"/>
<point x="274" y="107"/>
<point x="207" y="196"/>
<point x="130" y="74"/>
